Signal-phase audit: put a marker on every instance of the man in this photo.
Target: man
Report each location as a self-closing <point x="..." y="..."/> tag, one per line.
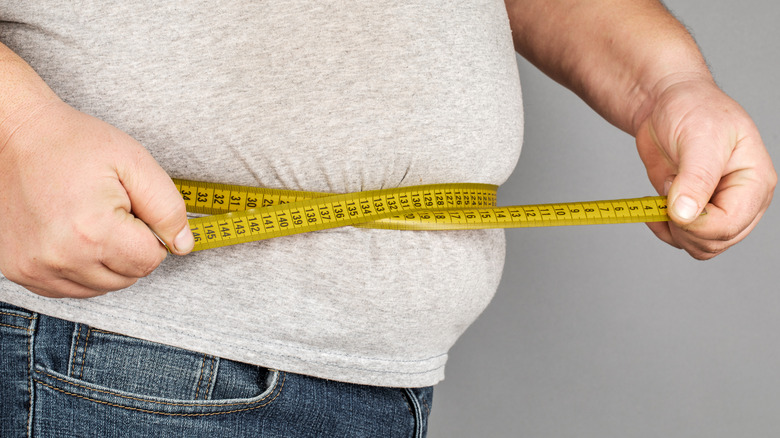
<point x="330" y="97"/>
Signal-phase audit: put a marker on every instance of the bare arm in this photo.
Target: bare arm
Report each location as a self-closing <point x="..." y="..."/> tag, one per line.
<point x="77" y="196"/>
<point x="638" y="67"/>
<point x="23" y="93"/>
<point x="614" y="54"/>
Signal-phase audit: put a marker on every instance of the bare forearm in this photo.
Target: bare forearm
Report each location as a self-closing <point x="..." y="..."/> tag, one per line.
<point x="21" y="92"/>
<point x="617" y="55"/>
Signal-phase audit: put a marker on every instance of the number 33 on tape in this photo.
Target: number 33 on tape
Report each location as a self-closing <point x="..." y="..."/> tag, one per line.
<point x="239" y="214"/>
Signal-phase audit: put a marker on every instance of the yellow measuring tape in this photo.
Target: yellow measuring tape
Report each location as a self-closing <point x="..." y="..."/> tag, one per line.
<point x="240" y="214"/>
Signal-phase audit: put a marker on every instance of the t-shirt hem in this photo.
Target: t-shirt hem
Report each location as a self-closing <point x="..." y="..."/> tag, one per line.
<point x="330" y="365"/>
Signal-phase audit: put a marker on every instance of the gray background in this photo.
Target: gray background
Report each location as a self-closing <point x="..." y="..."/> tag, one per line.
<point x="605" y="331"/>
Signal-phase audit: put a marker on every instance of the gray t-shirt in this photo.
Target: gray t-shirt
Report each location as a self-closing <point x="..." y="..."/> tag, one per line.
<point x="332" y="95"/>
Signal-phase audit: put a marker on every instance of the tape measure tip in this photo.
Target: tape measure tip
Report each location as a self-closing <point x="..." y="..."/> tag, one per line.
<point x="161" y="242"/>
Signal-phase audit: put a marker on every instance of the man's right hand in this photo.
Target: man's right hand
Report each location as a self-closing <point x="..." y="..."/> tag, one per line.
<point x="79" y="200"/>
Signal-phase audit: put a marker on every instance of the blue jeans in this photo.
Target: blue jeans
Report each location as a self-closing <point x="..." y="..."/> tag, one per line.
<point x="63" y="379"/>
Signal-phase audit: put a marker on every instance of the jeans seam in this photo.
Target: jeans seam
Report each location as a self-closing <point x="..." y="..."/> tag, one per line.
<point x="149" y="411"/>
<point x="95" y="330"/>
<point x="115" y="394"/>
<point x="84" y="353"/>
<point x="17" y="315"/>
<point x="200" y="379"/>
<point x="417" y="412"/>
<point x="209" y="388"/>
<point x="72" y="365"/>
<point x="427" y="408"/>
<point x="14" y="327"/>
<point x="407" y="402"/>
<point x="30" y="360"/>
<point x="206" y="389"/>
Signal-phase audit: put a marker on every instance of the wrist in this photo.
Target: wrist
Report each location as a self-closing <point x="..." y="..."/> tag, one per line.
<point x="24" y="94"/>
<point x="652" y="93"/>
<point x="20" y="115"/>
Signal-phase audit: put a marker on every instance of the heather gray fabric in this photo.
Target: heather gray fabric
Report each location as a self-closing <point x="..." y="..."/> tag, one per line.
<point x="331" y="96"/>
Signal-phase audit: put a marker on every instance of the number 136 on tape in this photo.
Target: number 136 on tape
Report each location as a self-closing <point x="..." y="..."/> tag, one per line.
<point x="239" y="214"/>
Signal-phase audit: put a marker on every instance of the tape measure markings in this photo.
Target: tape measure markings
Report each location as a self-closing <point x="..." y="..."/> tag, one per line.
<point x="242" y="214"/>
<point x="600" y="212"/>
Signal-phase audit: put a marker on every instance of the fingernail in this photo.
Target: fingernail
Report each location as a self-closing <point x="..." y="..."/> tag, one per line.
<point x="685" y="207"/>
<point x="184" y="241"/>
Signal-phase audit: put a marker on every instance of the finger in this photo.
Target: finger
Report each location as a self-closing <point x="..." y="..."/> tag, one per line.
<point x="739" y="200"/>
<point x="85" y="272"/>
<point x="155" y="200"/>
<point x="709" y="239"/>
<point x="66" y="288"/>
<point x="662" y="231"/>
<point x="132" y="250"/>
<point x="99" y="279"/>
<point x="698" y="175"/>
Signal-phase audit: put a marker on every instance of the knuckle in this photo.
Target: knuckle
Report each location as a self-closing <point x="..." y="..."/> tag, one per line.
<point x="173" y="219"/>
<point x="707" y="251"/>
<point x="23" y="271"/>
<point x="720" y="237"/>
<point x="114" y="285"/>
<point x="129" y="282"/>
<point x="167" y="219"/>
<point x="85" y="233"/>
<point x="729" y="233"/>
<point x="147" y="265"/>
<point x="61" y="260"/>
<point x="32" y="269"/>
<point x="702" y="179"/>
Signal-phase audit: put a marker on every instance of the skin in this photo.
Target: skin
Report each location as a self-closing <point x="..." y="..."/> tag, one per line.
<point x="79" y="199"/>
<point x="638" y="67"/>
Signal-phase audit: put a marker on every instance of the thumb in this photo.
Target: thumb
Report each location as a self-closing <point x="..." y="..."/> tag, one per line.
<point x="155" y="200"/>
<point x="699" y="173"/>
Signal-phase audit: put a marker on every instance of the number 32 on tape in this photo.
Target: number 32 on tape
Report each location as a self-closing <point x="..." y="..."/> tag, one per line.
<point x="239" y="214"/>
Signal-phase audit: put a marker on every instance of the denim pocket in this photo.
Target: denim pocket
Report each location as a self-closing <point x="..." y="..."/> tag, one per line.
<point x="16" y="325"/>
<point x="120" y="371"/>
<point x="12" y="317"/>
